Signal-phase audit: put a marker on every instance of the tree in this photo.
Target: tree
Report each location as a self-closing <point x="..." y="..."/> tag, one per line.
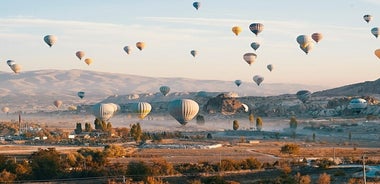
<point x="235" y="124"/>
<point x="7" y="177"/>
<point x="138" y="170"/>
<point x="259" y="123"/>
<point x="349" y="136"/>
<point x="251" y="119"/>
<point x="136" y="132"/>
<point x="200" y="120"/>
<point x="46" y="164"/>
<point x="324" y="179"/>
<point x="87" y="127"/>
<point x="98" y="124"/>
<point x="293" y="123"/>
<point x="302" y="179"/>
<point x="290" y="149"/>
<point x="78" y="128"/>
<point x="313" y="137"/>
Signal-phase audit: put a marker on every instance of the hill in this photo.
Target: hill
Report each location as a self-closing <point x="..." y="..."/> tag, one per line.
<point x="359" y="89"/>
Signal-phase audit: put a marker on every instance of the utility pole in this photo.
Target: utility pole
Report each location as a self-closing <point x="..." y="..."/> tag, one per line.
<point x="364" y="175"/>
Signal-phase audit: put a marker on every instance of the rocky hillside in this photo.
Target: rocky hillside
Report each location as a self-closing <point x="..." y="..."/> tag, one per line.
<point x="358" y="89"/>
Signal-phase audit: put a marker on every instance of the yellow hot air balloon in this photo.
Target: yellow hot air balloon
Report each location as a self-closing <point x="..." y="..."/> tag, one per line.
<point x="142" y="109"/>
<point x="16" y="68"/>
<point x="237" y="30"/>
<point x="5" y="109"/>
<point x="249" y="57"/>
<point x="57" y="103"/>
<point x="140" y="45"/>
<point x="50" y="40"/>
<point x="183" y="110"/>
<point x="88" y="61"/>
<point x="80" y="54"/>
<point x="377" y="53"/>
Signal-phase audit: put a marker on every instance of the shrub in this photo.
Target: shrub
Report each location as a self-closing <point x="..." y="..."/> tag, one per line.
<point x="290" y="149"/>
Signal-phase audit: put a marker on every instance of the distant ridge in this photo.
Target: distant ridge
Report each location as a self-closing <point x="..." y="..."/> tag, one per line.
<point x="366" y="88"/>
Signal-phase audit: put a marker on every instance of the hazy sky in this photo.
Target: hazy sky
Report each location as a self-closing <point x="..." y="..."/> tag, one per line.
<point x="172" y="28"/>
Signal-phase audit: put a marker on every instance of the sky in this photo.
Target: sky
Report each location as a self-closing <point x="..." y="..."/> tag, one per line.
<point x="172" y="28"/>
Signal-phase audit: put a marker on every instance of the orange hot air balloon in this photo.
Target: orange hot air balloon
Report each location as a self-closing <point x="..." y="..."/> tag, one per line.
<point x="88" y="61"/>
<point x="377" y="53"/>
<point x="237" y="30"/>
<point x="57" y="103"/>
<point x="140" y="45"/>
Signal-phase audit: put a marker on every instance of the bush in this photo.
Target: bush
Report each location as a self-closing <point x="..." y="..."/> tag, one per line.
<point x="235" y="124"/>
<point x="290" y="149"/>
<point x="259" y="123"/>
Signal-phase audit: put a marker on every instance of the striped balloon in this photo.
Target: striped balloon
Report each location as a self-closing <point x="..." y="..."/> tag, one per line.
<point x="142" y="109"/>
<point x="183" y="110"/>
<point x="256" y="28"/>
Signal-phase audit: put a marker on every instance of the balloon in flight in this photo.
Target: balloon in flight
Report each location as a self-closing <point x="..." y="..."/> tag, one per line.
<point x="258" y="79"/>
<point x="256" y="28"/>
<point x="194" y="53"/>
<point x="81" y="94"/>
<point x="304" y="40"/>
<point x="357" y="104"/>
<point x="183" y="110"/>
<point x="164" y="90"/>
<point x="238" y="82"/>
<point x="303" y="95"/>
<point x="16" y="68"/>
<point x="375" y="31"/>
<point x="377" y="53"/>
<point x="196" y="5"/>
<point x="127" y="49"/>
<point x="237" y="30"/>
<point x="307" y="48"/>
<point x="50" y="40"/>
<point x="317" y="37"/>
<point x="270" y="67"/>
<point x="80" y="54"/>
<point x="103" y="111"/>
<point x="140" y="45"/>
<point x="367" y="18"/>
<point x="5" y="109"/>
<point x="142" y="109"/>
<point x="249" y="58"/>
<point x="57" y="103"/>
<point x="10" y="63"/>
<point x="88" y="61"/>
<point x="255" y="45"/>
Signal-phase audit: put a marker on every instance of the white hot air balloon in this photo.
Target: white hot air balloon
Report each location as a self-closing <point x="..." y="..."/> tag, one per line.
<point x="103" y="111"/>
<point x="357" y="104"/>
<point x="142" y="109"/>
<point x="128" y="49"/>
<point x="183" y="110"/>
<point x="249" y="58"/>
<point x="50" y="40"/>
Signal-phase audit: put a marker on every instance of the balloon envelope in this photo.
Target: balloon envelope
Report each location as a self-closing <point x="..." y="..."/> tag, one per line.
<point x="367" y="18"/>
<point x="194" y="53"/>
<point x="317" y="37"/>
<point x="80" y="54"/>
<point x="237" y="30"/>
<point x="88" y="61"/>
<point x="103" y="111"/>
<point x="258" y="79"/>
<point x="164" y="90"/>
<point x="16" y="68"/>
<point x="307" y="48"/>
<point x="142" y="109"/>
<point x="5" y="109"/>
<point x="255" y="45"/>
<point x="357" y="104"/>
<point x="127" y="49"/>
<point x="50" y="40"/>
<point x="249" y="58"/>
<point x="238" y="82"/>
<point x="270" y="67"/>
<point x="183" y="110"/>
<point x="377" y="53"/>
<point x="57" y="103"/>
<point x="10" y="63"/>
<point x="140" y="45"/>
<point x="197" y="5"/>
<point x="375" y="31"/>
<point x="256" y="28"/>
<point x="81" y="94"/>
<point x="303" y="95"/>
<point x="303" y="40"/>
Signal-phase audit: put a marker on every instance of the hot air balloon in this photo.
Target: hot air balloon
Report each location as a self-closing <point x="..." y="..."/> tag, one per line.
<point x="307" y="48"/>
<point x="50" y="40"/>
<point x="245" y="107"/>
<point x="197" y="5"/>
<point x="5" y="109"/>
<point x="10" y="63"/>
<point x="80" y="54"/>
<point x="375" y="31"/>
<point x="367" y="18"/>
<point x="103" y="111"/>
<point x="57" y="103"/>
<point x="304" y="40"/>
<point x="194" y="53"/>
<point x="72" y="108"/>
<point x="357" y="104"/>
<point x="88" y="61"/>
<point x="183" y="110"/>
<point x="128" y="49"/>
<point x="237" y="30"/>
<point x="238" y="82"/>
<point x="16" y="68"/>
<point x="142" y="109"/>
<point x="270" y="67"/>
<point x="303" y="95"/>
<point x="255" y="45"/>
<point x="256" y="28"/>
<point x="81" y="94"/>
<point x="140" y="45"/>
<point x="258" y="79"/>
<point x="377" y="53"/>
<point x="249" y="57"/>
<point x="317" y="37"/>
<point x="164" y="90"/>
